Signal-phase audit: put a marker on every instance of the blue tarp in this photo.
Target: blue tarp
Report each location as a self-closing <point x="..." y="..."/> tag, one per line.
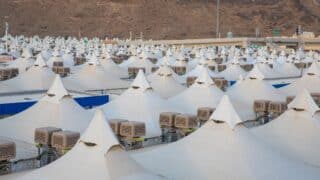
<point x="274" y="85"/>
<point x="86" y="102"/>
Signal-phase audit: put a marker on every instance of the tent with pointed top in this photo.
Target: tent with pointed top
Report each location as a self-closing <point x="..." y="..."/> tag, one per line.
<point x="286" y="69"/>
<point x="37" y="77"/>
<point x="164" y="83"/>
<point x="24" y="62"/>
<point x="56" y="108"/>
<point x="221" y="149"/>
<point x="308" y="81"/>
<point x="203" y="93"/>
<point x="232" y="72"/>
<point x="142" y="62"/>
<point x="245" y="92"/>
<point x="92" y="76"/>
<point x="296" y="132"/>
<point x="139" y="103"/>
<point x="91" y="158"/>
<point x="112" y="68"/>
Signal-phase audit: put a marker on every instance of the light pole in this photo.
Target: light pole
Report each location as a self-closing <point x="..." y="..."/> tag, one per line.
<point x="218" y="19"/>
<point x="6" y="34"/>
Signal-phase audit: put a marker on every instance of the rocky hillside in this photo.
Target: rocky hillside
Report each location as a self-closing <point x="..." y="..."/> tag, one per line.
<point x="157" y="19"/>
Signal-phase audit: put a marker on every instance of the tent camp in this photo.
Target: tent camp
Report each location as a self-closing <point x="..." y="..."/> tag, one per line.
<point x="222" y="149"/>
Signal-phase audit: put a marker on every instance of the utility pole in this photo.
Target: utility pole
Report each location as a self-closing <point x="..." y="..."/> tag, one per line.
<point x="6" y="34"/>
<point x="218" y="19"/>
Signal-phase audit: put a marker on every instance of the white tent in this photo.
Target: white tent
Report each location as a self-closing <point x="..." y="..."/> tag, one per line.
<point x="308" y="81"/>
<point x="203" y="93"/>
<point x="164" y="83"/>
<point x="24" y="62"/>
<point x="37" y="77"/>
<point x="139" y="103"/>
<point x="296" y="132"/>
<point x="286" y="69"/>
<point x="93" y="157"/>
<point x="56" y="108"/>
<point x="232" y="72"/>
<point x="112" y="68"/>
<point x="142" y="62"/>
<point x="92" y="76"/>
<point x="246" y="91"/>
<point x="198" y="70"/>
<point x="222" y="149"/>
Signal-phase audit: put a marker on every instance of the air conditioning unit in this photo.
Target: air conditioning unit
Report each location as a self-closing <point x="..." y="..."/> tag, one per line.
<point x="55" y="69"/>
<point x="261" y="106"/>
<point x="7" y="150"/>
<point x="204" y="113"/>
<point x="154" y="69"/>
<point x="221" y="83"/>
<point x="64" y="140"/>
<point x="15" y="71"/>
<point x="222" y="67"/>
<point x="277" y="107"/>
<point x="180" y="70"/>
<point x="79" y="60"/>
<point x="7" y="153"/>
<point x="132" y="129"/>
<point x="63" y="71"/>
<point x="191" y="80"/>
<point x="247" y="67"/>
<point x="218" y="60"/>
<point x="167" y="119"/>
<point x="115" y="125"/>
<point x="43" y="136"/>
<point x="185" y="121"/>
<point x="212" y="68"/>
<point x="58" y="64"/>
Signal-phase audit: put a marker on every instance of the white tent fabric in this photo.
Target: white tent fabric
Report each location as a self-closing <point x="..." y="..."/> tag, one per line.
<point x="307" y="81"/>
<point x="304" y="101"/>
<point x="232" y="72"/>
<point x="89" y="158"/>
<point x="244" y="93"/>
<point x="37" y="77"/>
<point x="83" y="161"/>
<point x="225" y="112"/>
<point x="21" y="63"/>
<point x="122" y="167"/>
<point x="112" y="68"/>
<point x="142" y="62"/>
<point x="216" y="151"/>
<point x="139" y="103"/>
<point x="164" y="83"/>
<point x="314" y="69"/>
<point x="56" y="109"/>
<point x="92" y="76"/>
<point x="203" y="93"/>
<point x="198" y="70"/>
<point x="295" y="133"/>
<point x="287" y="69"/>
